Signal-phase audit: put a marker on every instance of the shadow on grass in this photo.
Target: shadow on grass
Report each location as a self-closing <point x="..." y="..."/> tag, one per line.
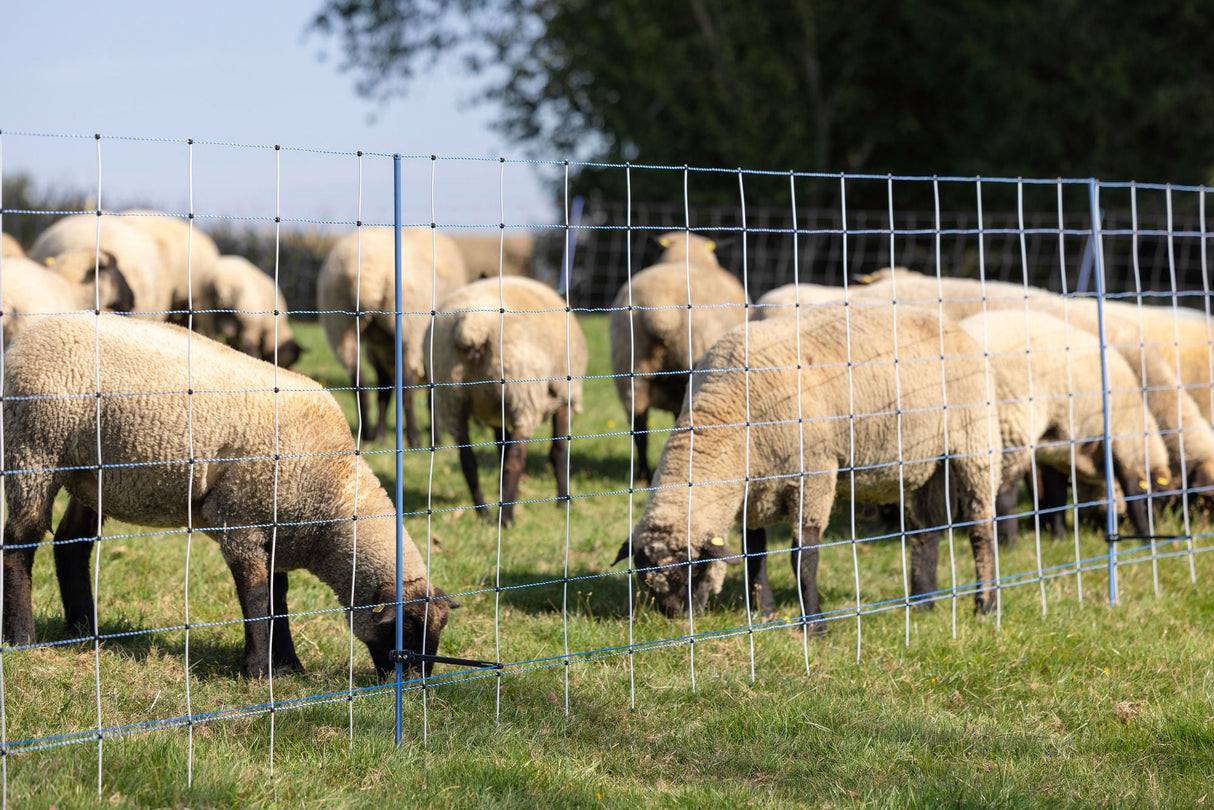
<point x="593" y="594"/>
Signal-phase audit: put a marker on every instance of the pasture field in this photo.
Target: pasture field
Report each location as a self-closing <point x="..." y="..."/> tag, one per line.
<point x="1064" y="702"/>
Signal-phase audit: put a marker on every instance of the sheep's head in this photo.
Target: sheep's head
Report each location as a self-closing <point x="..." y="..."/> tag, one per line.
<point x="664" y="570"/>
<point x="424" y="618"/>
<point x="288" y="352"/>
<point x="87" y="267"/>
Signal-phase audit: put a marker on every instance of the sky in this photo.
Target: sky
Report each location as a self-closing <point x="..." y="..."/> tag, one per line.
<point x="150" y="75"/>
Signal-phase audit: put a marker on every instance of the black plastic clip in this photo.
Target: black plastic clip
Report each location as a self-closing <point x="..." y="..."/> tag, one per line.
<point x="411" y="657"/>
<point x="1116" y="538"/>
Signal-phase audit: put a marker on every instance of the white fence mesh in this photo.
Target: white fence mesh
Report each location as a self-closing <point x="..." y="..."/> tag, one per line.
<point x="1052" y="342"/>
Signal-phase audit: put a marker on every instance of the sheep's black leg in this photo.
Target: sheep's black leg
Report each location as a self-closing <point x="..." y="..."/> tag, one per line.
<point x="467" y="460"/>
<point x="925" y="559"/>
<point x="1051" y="499"/>
<point x="512" y="470"/>
<point x="559" y="454"/>
<point x="1136" y="507"/>
<point x="74" y="540"/>
<point x="253" y="590"/>
<point x="1007" y="503"/>
<point x="804" y="560"/>
<point x="18" y="576"/>
<point x="641" y="472"/>
<point x="385" y="377"/>
<point x="412" y="433"/>
<point x="759" y="592"/>
<point x="284" y="646"/>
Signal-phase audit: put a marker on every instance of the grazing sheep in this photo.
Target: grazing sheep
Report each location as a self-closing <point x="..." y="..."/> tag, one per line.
<point x="9" y="246"/>
<point x="651" y="356"/>
<point x="1183" y="337"/>
<point x="357" y="305"/>
<point x="171" y="397"/>
<point x="487" y="256"/>
<point x="768" y="428"/>
<point x="785" y="301"/>
<point x="186" y="254"/>
<point x="32" y="291"/>
<point x="515" y="330"/>
<point x="137" y="254"/>
<point x="243" y="305"/>
<point x="1059" y="364"/>
<point x="1179" y="417"/>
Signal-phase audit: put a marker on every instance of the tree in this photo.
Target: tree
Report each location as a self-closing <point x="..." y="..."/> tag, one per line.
<point x="1120" y="90"/>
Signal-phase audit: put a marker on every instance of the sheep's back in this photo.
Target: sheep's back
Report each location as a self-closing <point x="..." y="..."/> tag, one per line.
<point x="167" y="396"/>
<point x="137" y="255"/>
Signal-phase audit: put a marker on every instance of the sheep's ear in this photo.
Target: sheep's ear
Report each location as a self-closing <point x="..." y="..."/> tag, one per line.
<point x="438" y="594"/>
<point x="623" y="555"/>
<point x="716" y="548"/>
<point x="383" y="614"/>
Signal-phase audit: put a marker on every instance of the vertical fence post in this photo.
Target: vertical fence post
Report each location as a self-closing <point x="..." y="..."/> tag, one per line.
<point x="1097" y="249"/>
<point x="399" y="448"/>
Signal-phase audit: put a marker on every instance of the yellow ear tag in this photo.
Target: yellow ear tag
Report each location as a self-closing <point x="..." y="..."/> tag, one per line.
<point x="1143" y="485"/>
<point x="48" y="261"/>
<point x="1163" y="482"/>
<point x="867" y="278"/>
<point x="378" y="609"/>
<point x="664" y="242"/>
<point x="717" y="541"/>
<point x="712" y="245"/>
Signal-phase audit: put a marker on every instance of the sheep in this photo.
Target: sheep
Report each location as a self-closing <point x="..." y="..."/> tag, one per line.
<point x="1059" y="364"/>
<point x="9" y="246"/>
<point x="489" y="256"/>
<point x="649" y="332"/>
<point x="356" y="306"/>
<point x="193" y="433"/>
<point x="737" y="444"/>
<point x="1185" y="429"/>
<point x="1183" y="338"/>
<point x="243" y="305"/>
<point x="785" y="301"/>
<point x="685" y="246"/>
<point x="517" y="331"/>
<point x="186" y="254"/>
<point x="32" y="291"/>
<point x="136" y="253"/>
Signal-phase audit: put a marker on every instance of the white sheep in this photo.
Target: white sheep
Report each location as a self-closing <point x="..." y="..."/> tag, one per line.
<point x="1183" y="337"/>
<point x="356" y="299"/>
<point x="779" y="421"/>
<point x="32" y="291"/>
<point x="1186" y="431"/>
<point x="136" y="252"/>
<point x="653" y="348"/>
<point x="186" y="254"/>
<point x="509" y="354"/>
<point x="1054" y="368"/>
<point x="9" y="246"/>
<point x="242" y="305"/>
<point x="487" y="256"/>
<point x="786" y="300"/>
<point x="194" y="433"/>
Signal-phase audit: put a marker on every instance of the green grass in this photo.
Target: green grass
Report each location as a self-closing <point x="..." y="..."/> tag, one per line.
<point x="1082" y="705"/>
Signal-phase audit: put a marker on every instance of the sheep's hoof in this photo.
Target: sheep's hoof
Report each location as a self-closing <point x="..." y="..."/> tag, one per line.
<point x="921" y="603"/>
<point x="281" y="668"/>
<point x="815" y="628"/>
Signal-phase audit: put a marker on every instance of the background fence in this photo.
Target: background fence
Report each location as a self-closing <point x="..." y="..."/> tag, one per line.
<point x="543" y="596"/>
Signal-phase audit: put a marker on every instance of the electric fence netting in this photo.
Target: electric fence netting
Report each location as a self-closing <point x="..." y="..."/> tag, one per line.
<point x="765" y="421"/>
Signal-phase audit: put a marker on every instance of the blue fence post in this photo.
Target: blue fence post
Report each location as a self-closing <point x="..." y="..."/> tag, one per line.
<point x="400" y="458"/>
<point x="1098" y="273"/>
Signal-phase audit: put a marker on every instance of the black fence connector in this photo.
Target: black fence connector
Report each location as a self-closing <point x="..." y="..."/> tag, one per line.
<point x="411" y="657"/>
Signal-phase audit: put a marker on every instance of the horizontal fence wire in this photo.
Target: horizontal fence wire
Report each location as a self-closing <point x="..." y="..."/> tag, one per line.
<point x="1028" y="360"/>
